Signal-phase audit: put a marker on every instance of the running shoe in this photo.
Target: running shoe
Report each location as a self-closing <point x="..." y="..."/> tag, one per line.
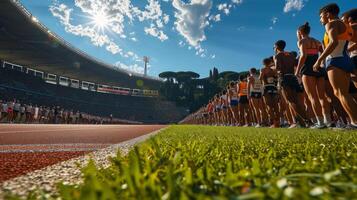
<point x="318" y="126"/>
<point x="293" y="126"/>
<point x="258" y="126"/>
<point x="351" y="127"/>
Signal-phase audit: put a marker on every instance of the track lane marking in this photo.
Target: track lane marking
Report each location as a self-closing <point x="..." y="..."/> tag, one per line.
<point x="56" y="130"/>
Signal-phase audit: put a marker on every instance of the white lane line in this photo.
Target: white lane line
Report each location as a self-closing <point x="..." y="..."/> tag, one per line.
<point x="63" y="144"/>
<point x="33" y="148"/>
<point x="53" y="130"/>
<point x="68" y="171"/>
<point x="50" y="150"/>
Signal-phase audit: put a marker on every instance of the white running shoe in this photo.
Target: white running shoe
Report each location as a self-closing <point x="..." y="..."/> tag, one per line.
<point x="318" y="126"/>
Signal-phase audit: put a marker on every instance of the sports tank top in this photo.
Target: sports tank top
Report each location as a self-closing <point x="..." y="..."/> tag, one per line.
<point x="257" y="86"/>
<point x="234" y="93"/>
<point x="343" y="39"/>
<point x="243" y="89"/>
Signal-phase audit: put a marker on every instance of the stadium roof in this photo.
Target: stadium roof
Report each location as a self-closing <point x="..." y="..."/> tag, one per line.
<point x="25" y="41"/>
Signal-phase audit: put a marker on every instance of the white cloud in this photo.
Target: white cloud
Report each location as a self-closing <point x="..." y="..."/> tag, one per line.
<point x="63" y="13"/>
<point x="274" y="20"/>
<point x="213" y="56"/>
<point x="158" y="19"/>
<point x="215" y="18"/>
<point x="293" y="5"/>
<point x="181" y="43"/>
<point x="224" y="7"/>
<point x="119" y="13"/>
<point x="154" y="31"/>
<point x="134" y="67"/>
<point x="191" y="21"/>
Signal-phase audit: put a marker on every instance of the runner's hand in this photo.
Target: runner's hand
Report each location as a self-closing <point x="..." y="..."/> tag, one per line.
<point x="317" y="66"/>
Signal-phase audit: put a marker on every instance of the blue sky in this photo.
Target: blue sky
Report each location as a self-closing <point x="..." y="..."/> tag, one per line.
<point x="180" y="35"/>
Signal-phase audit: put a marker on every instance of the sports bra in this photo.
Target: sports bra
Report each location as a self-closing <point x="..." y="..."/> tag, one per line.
<point x="314" y="49"/>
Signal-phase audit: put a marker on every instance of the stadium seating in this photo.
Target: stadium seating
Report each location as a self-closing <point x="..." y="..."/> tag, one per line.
<point x="34" y="90"/>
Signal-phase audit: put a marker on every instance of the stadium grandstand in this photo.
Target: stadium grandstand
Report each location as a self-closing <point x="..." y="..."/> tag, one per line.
<point x="39" y="67"/>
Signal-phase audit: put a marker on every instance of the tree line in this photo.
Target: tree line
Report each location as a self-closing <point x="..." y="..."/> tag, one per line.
<point x="187" y="89"/>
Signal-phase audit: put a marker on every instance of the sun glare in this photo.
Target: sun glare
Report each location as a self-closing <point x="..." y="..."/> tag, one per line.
<point x="100" y="19"/>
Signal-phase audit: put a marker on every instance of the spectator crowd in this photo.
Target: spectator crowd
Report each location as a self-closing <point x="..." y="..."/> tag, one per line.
<point x="14" y="111"/>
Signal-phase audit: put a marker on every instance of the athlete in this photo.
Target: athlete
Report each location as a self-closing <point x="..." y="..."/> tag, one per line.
<point x="350" y="19"/>
<point x="314" y="82"/>
<point x="233" y="102"/>
<point x="243" y="101"/>
<point x="338" y="64"/>
<point x="224" y="107"/>
<point x="269" y="76"/>
<point x="291" y="89"/>
<point x="255" y="91"/>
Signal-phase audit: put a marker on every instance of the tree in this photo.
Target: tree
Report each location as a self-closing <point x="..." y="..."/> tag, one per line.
<point x="168" y="75"/>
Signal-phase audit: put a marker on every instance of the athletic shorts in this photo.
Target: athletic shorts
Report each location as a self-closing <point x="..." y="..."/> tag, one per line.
<point x="291" y="81"/>
<point x="234" y="102"/>
<point x="243" y="100"/>
<point x="307" y="69"/>
<point x="224" y="107"/>
<point x="271" y="90"/>
<point x="205" y="114"/>
<point x="344" y="62"/>
<point x="352" y="89"/>
<point x="256" y="95"/>
<point x="354" y="60"/>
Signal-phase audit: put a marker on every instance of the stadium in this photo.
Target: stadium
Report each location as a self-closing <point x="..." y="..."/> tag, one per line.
<point x="74" y="126"/>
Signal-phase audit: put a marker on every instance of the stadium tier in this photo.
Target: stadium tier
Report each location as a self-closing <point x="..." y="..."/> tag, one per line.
<point x="31" y="89"/>
<point x="25" y="41"/>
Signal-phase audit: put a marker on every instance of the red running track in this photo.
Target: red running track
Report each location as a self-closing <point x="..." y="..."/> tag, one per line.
<point x="25" y="148"/>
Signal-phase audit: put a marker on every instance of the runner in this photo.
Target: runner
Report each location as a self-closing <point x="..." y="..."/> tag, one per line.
<point x="224" y="107"/>
<point x="314" y="82"/>
<point x="255" y="91"/>
<point x="233" y="105"/>
<point x="350" y="19"/>
<point x="338" y="64"/>
<point x="269" y="78"/>
<point x="291" y="90"/>
<point x="243" y="101"/>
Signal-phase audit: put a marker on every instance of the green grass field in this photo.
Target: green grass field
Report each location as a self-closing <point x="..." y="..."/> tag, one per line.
<point x="199" y="162"/>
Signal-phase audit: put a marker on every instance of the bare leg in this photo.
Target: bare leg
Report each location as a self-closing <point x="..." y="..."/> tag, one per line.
<point x="340" y="81"/>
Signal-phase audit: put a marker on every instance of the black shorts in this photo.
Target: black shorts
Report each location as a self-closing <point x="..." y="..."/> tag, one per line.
<point x="307" y="69"/>
<point x="291" y="81"/>
<point x="271" y="90"/>
<point x="256" y="95"/>
<point x="243" y="100"/>
<point x="354" y="60"/>
<point x="352" y="89"/>
<point x="205" y="114"/>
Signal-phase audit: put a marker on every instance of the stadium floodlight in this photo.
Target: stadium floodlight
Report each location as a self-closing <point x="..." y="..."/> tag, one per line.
<point x="146" y="61"/>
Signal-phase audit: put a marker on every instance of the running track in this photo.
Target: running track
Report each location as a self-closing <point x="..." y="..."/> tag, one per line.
<point x="25" y="148"/>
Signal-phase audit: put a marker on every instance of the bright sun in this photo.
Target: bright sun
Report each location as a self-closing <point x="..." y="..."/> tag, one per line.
<point x="100" y="20"/>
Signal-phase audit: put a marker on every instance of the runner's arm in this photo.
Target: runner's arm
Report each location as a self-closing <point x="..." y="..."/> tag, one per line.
<point x="353" y="39"/>
<point x="302" y="59"/>
<point x="332" y="32"/>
